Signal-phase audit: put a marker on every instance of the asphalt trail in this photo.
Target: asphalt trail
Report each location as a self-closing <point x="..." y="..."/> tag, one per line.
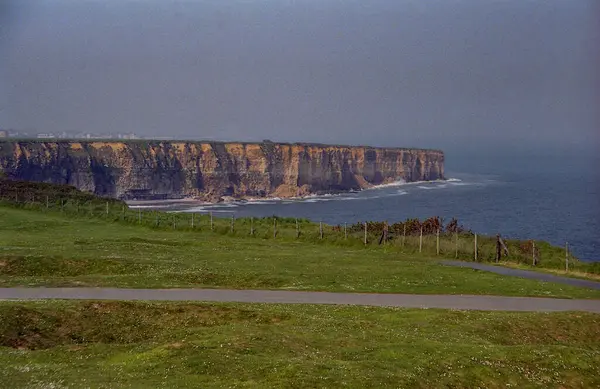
<point x="533" y="275"/>
<point x="462" y="302"/>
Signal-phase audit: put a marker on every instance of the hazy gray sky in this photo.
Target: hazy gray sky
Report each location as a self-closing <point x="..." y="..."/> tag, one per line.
<point x="425" y="73"/>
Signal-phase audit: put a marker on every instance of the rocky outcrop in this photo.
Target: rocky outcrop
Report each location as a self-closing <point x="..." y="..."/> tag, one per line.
<point x="210" y="171"/>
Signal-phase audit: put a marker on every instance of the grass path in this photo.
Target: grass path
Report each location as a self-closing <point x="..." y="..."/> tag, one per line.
<point x="46" y="249"/>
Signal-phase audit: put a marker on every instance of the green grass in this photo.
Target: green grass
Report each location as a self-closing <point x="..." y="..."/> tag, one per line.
<point x="51" y="249"/>
<point x="62" y="344"/>
<point x="68" y="201"/>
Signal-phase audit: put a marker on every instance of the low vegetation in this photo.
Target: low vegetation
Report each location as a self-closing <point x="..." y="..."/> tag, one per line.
<point x="53" y="249"/>
<point x="455" y="241"/>
<point x="63" y="237"/>
<point x="188" y="345"/>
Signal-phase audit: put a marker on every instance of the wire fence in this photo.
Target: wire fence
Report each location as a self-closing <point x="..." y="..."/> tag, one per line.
<point x="431" y="237"/>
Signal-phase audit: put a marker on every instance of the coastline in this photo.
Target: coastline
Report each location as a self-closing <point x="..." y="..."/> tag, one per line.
<point x="191" y="201"/>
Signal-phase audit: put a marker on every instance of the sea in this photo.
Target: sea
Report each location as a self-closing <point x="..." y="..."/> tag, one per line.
<point x="555" y="198"/>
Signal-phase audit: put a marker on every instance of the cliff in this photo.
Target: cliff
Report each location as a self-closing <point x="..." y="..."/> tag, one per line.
<point x="210" y="171"/>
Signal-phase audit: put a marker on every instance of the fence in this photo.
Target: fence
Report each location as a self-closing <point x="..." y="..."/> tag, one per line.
<point x="429" y="238"/>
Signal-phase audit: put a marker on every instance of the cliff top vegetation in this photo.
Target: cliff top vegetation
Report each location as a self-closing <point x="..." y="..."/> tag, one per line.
<point x="76" y="239"/>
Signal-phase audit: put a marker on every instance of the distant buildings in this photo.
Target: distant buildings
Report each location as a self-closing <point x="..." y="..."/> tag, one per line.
<point x="5" y="133"/>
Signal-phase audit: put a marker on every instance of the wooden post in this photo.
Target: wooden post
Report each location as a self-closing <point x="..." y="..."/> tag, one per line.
<point x="456" y="236"/>
<point x="345" y="231"/>
<point x="47" y="204"/>
<point x="498" y="248"/>
<point x="107" y="207"/>
<point x="403" y="235"/>
<point x="384" y="235"/>
<point x="157" y="220"/>
<point x="211" y="222"/>
<point x="365" y="233"/>
<point x="533" y="252"/>
<point x="274" y="227"/>
<point x="475" y="247"/>
<point x="297" y="229"/>
<point x="421" y="240"/>
<point x="438" y="242"/>
<point x="567" y="256"/>
<point x="123" y="212"/>
<point x="320" y="230"/>
<point x="232" y="224"/>
<point x="192" y="220"/>
<point x="252" y="226"/>
<point x="62" y="205"/>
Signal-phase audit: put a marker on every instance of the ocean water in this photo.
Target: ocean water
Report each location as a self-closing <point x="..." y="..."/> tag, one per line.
<point x="552" y="198"/>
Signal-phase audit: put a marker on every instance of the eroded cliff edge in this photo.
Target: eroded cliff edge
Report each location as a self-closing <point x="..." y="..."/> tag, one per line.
<point x="212" y="170"/>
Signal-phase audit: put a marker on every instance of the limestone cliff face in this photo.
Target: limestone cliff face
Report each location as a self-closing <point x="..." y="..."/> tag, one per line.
<point x="213" y="170"/>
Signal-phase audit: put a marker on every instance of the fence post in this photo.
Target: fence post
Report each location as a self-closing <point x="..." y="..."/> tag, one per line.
<point x="320" y="230"/>
<point x="456" y="236"/>
<point x="403" y="235"/>
<point x="107" y="207"/>
<point x="192" y="220"/>
<point x="139" y="216"/>
<point x="438" y="242"/>
<point x="123" y="212"/>
<point x="47" y="205"/>
<point x="475" y="247"/>
<point x="252" y="226"/>
<point x="211" y="222"/>
<point x="567" y="256"/>
<point x="533" y="252"/>
<point x="421" y="240"/>
<point x="174" y="225"/>
<point x="274" y="227"/>
<point x="365" y="233"/>
<point x="297" y="229"/>
<point x="345" y="232"/>
<point x="232" y="223"/>
<point x="62" y="205"/>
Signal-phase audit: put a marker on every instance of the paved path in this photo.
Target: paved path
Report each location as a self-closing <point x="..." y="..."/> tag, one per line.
<point x="534" y="275"/>
<point x="487" y="303"/>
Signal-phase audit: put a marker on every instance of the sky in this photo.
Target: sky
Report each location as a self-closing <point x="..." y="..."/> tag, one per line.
<point x="450" y="74"/>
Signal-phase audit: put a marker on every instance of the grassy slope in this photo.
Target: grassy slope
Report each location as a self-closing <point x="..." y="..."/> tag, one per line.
<point x="139" y="345"/>
<point x="39" y="248"/>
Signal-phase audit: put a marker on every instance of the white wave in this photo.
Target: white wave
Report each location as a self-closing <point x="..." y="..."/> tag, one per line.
<point x="453" y="180"/>
<point x="388" y="185"/>
<point x="425" y="187"/>
<point x="404" y="183"/>
<point x="315" y="200"/>
<point x="402" y="192"/>
<point x="204" y="210"/>
<point x="150" y="206"/>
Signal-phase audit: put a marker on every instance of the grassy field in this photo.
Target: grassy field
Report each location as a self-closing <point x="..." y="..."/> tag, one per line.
<point x="141" y="345"/>
<point x="52" y="249"/>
